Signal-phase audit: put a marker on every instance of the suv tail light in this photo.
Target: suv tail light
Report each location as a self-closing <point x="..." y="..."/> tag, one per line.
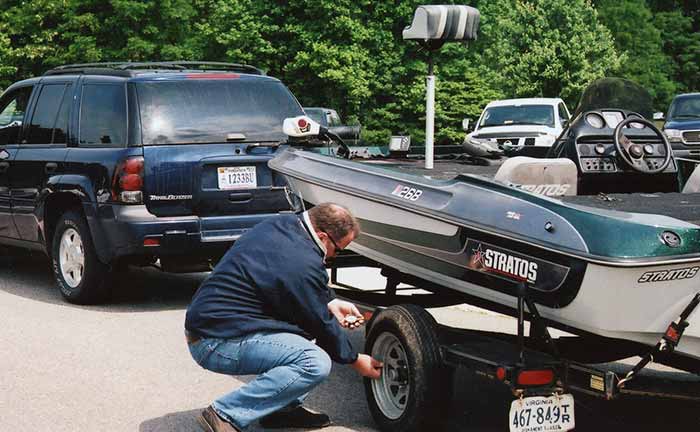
<point x="127" y="183"/>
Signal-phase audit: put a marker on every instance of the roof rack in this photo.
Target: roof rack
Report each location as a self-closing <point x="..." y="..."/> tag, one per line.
<point x="124" y="68"/>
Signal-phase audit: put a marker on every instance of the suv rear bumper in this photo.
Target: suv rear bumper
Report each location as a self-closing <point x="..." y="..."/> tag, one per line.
<point x="126" y="229"/>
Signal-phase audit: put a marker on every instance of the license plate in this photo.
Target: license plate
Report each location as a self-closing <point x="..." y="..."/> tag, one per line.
<point x="542" y="414"/>
<point x="237" y="177"/>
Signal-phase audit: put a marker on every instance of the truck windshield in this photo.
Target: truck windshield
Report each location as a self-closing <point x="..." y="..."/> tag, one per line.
<point x="518" y="115"/>
<point x="686" y="107"/>
<point x="205" y="111"/>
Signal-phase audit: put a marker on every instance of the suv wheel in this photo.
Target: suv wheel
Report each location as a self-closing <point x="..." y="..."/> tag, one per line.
<point x="80" y="275"/>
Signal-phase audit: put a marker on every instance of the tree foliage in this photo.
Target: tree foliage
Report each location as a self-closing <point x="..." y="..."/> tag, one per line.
<point x="349" y="54"/>
<point x="546" y="48"/>
<point x="641" y="46"/>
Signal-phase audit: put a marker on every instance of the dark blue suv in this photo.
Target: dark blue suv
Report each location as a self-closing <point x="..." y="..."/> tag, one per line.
<point x="682" y="126"/>
<point x="112" y="163"/>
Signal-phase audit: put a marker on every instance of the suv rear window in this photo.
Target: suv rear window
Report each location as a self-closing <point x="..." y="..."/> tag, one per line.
<point x="103" y="115"/>
<point x="206" y="111"/>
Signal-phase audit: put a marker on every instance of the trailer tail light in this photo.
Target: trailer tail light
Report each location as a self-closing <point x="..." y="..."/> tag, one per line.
<point x="501" y="373"/>
<point x="127" y="184"/>
<point x="537" y="377"/>
<point x="151" y="242"/>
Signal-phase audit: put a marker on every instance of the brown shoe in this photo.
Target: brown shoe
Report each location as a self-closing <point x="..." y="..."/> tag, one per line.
<point x="299" y="417"/>
<point x="210" y="421"/>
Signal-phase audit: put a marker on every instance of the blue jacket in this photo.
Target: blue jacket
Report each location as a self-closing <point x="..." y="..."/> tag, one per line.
<point x="271" y="280"/>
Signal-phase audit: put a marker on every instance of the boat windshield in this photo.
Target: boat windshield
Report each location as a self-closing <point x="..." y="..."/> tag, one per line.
<point x="615" y="93"/>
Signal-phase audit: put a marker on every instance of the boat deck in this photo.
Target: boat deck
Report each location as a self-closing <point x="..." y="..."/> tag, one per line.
<point x="685" y="207"/>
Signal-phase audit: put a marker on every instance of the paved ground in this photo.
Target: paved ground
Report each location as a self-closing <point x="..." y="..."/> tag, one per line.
<point x="124" y="366"/>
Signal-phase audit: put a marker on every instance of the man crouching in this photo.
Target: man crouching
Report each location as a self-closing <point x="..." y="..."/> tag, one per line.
<point x="258" y="312"/>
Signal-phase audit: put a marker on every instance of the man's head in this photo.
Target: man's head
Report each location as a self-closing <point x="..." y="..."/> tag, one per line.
<point x="335" y="226"/>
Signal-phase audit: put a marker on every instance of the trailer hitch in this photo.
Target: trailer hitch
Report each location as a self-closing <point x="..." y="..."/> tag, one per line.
<point x="668" y="342"/>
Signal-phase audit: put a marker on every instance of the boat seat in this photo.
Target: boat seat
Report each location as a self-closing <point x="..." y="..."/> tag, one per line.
<point x="551" y="177"/>
<point x="692" y="185"/>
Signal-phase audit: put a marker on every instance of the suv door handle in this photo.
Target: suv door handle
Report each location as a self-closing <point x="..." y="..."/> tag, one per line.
<point x="4" y="166"/>
<point x="240" y="197"/>
<point x="50" y="167"/>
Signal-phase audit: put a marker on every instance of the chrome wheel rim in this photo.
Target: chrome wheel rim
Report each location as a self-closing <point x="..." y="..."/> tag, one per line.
<point x="392" y="389"/>
<point x="71" y="257"/>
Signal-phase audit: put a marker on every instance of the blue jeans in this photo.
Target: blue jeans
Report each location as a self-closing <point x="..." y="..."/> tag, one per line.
<point x="288" y="368"/>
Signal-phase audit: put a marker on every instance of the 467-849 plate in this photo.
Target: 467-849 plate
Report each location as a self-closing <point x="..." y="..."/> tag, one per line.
<point x="542" y="414"/>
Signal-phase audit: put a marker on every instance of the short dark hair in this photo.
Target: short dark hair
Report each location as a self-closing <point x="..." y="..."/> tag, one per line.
<point x="334" y="219"/>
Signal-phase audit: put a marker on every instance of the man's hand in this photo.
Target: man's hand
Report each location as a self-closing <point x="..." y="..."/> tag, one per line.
<point x="367" y="366"/>
<point x="346" y="313"/>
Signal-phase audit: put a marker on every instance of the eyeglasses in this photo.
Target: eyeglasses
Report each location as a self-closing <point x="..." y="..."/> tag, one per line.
<point x="335" y="245"/>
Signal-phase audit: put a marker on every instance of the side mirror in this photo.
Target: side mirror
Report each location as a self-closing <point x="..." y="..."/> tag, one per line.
<point x="14" y="123"/>
<point x="300" y="127"/>
<point x="465" y="125"/>
<point x="564" y="123"/>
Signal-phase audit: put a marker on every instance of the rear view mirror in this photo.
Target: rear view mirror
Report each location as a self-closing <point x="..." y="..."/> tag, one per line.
<point x="465" y="125"/>
<point x="300" y="127"/>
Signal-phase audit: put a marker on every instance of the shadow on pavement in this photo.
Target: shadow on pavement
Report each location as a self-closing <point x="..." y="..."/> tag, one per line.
<point x="28" y="274"/>
<point x="184" y="421"/>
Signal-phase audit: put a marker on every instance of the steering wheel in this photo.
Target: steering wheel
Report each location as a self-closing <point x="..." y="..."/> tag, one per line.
<point x="635" y="155"/>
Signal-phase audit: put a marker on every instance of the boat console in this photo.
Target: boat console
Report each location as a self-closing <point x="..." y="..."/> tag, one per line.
<point x="617" y="150"/>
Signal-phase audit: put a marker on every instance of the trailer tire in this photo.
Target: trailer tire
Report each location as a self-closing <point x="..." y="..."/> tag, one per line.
<point x="414" y="390"/>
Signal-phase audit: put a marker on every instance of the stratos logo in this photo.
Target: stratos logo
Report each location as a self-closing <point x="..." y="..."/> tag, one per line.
<point x="669" y="275"/>
<point x="544" y="189"/>
<point x="490" y="260"/>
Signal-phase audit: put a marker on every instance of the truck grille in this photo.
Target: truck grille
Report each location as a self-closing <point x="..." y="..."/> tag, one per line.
<point x="691" y="137"/>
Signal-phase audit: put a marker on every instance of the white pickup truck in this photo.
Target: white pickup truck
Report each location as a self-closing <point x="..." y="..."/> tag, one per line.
<point x="525" y="127"/>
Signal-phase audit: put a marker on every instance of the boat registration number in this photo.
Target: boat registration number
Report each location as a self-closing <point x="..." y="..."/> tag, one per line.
<point x="242" y="177"/>
<point x="406" y="192"/>
<point x="542" y="414"/>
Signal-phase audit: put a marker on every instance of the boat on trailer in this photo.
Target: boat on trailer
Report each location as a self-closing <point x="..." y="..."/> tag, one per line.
<point x="604" y="233"/>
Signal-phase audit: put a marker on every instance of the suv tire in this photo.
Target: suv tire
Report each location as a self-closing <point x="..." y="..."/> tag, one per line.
<point x="80" y="275"/>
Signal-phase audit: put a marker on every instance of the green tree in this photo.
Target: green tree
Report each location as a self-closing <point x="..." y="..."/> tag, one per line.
<point x="682" y="45"/>
<point x="544" y="48"/>
<point x="638" y="39"/>
<point x="46" y="33"/>
<point x="7" y="71"/>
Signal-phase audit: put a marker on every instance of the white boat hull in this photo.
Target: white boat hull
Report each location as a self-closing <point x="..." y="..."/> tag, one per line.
<point x="611" y="302"/>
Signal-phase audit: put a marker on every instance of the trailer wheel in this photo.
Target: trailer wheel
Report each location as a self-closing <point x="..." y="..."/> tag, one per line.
<point x="414" y="389"/>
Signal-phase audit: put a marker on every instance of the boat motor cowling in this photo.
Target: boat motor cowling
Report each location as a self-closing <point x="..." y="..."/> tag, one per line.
<point x="300" y="127"/>
<point x="303" y="128"/>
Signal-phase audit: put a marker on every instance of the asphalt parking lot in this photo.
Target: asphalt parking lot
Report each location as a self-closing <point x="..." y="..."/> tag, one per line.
<point x="124" y="366"/>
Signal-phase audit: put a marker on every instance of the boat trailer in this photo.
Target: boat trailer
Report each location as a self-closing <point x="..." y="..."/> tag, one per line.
<point x="534" y="366"/>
